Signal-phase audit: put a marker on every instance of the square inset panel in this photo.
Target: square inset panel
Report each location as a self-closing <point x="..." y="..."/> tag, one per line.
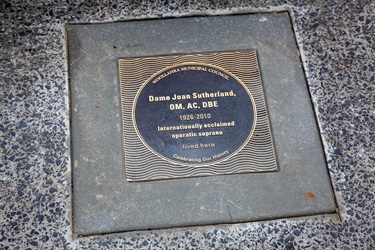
<point x="105" y="202"/>
<point x="194" y="115"/>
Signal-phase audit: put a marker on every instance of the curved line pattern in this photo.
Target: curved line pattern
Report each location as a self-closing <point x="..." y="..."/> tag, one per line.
<point x="141" y="164"/>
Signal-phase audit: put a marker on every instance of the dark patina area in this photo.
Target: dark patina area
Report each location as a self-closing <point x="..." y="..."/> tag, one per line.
<point x="194" y="114"/>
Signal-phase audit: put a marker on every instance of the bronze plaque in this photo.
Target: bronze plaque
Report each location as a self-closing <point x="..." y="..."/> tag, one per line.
<point x="194" y="115"/>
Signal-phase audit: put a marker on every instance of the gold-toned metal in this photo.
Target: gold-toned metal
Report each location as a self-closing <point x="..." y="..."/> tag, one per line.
<point x="143" y="163"/>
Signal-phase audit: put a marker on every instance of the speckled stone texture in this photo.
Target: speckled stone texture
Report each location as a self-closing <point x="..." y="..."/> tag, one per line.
<point x="336" y="40"/>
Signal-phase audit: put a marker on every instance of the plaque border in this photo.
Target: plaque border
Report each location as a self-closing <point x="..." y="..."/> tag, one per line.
<point x="142" y="164"/>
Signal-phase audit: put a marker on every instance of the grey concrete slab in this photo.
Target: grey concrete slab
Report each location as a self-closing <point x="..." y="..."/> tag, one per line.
<point x="104" y="202"/>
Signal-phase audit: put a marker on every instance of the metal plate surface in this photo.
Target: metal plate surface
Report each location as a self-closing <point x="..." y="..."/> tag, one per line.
<point x="194" y="115"/>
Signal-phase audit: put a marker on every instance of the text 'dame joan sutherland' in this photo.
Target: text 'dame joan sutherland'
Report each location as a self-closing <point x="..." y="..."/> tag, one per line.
<point x="194" y="114"/>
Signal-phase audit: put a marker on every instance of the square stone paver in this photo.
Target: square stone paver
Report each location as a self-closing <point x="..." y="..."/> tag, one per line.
<point x="104" y="201"/>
